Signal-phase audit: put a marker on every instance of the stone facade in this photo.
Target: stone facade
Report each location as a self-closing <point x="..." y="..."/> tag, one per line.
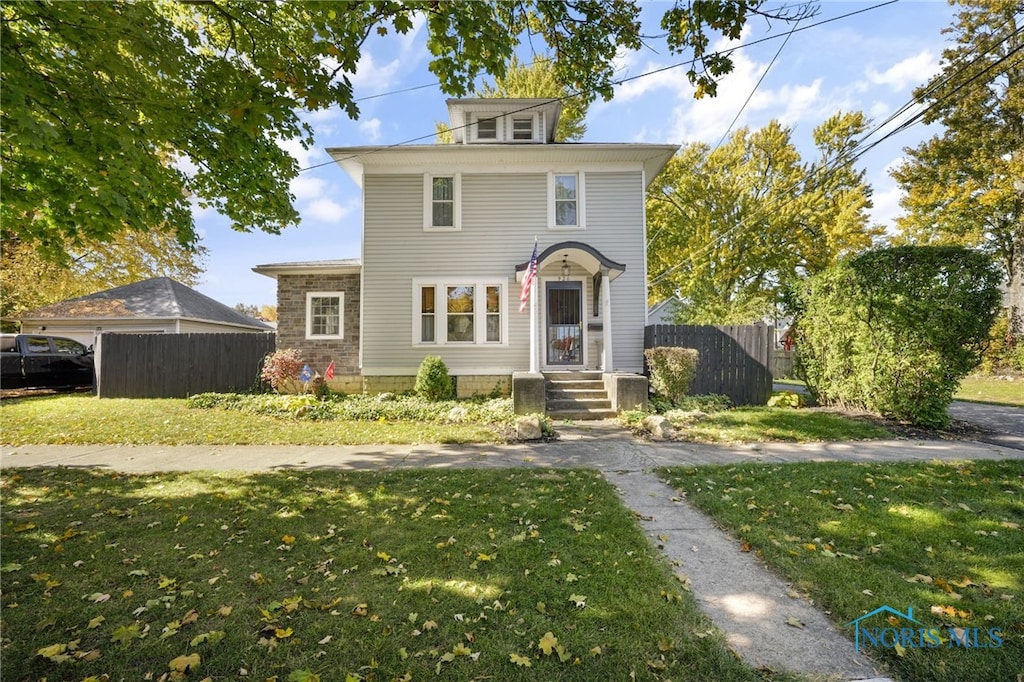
<point x="318" y="353"/>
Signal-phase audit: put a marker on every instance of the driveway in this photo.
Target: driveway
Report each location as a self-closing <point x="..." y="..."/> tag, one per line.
<point x="1004" y="425"/>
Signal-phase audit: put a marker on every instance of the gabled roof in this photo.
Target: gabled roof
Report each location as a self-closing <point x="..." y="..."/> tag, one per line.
<point x="157" y="298"/>
<point x="340" y="266"/>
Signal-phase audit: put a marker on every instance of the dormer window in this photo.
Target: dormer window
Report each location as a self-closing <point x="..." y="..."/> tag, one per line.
<point x="522" y="128"/>
<point x="487" y="129"/>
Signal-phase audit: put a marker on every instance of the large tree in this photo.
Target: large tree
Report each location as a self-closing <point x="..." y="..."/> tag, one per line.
<point x="117" y="114"/>
<point x="28" y="280"/>
<point x="966" y="185"/>
<point x="730" y="227"/>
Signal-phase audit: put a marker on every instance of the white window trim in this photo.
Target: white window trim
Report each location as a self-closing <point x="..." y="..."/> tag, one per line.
<point x="310" y="295"/>
<point x="428" y="203"/>
<point x="441" y="311"/>
<point x="475" y="131"/>
<point x="581" y="207"/>
<point x="534" y="127"/>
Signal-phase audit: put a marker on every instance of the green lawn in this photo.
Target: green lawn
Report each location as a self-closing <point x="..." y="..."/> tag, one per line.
<point x="85" y="419"/>
<point x="944" y="539"/>
<point x="466" y="575"/>
<point x="760" y="424"/>
<point x="988" y="389"/>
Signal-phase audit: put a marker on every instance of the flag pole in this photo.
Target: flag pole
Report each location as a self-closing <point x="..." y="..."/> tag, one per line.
<point x="533" y="320"/>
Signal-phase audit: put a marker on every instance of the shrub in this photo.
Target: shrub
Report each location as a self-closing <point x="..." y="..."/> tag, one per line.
<point x="433" y="381"/>
<point x="709" y="402"/>
<point x="281" y="366"/>
<point x="894" y="330"/>
<point x="672" y="370"/>
<point x="786" y="399"/>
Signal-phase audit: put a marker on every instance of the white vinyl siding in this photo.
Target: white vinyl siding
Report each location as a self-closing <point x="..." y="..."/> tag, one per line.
<point x="501" y="213"/>
<point x="325" y="314"/>
<point x="442" y="199"/>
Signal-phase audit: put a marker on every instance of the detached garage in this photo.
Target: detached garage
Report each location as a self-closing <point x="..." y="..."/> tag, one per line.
<point x="155" y="306"/>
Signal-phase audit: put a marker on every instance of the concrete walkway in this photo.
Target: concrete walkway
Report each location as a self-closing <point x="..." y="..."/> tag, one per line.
<point x="747" y="602"/>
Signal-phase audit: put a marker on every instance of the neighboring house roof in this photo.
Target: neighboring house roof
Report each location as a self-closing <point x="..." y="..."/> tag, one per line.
<point x="663" y="311"/>
<point x="341" y="266"/>
<point x="157" y="298"/>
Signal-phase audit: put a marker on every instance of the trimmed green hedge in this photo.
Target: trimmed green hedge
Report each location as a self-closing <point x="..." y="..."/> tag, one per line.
<point x="894" y="330"/>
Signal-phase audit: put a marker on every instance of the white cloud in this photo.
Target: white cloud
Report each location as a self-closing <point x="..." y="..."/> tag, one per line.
<point x="909" y="72"/>
<point x="326" y="210"/>
<point x="371" y="77"/>
<point x="370" y="129"/>
<point x="307" y="187"/>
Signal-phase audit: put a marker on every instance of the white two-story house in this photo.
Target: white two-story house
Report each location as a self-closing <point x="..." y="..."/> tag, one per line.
<point x="448" y="232"/>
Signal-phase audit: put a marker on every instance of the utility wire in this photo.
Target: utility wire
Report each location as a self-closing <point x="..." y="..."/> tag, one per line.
<point x="861" y="148"/>
<point x="756" y="86"/>
<point x="614" y="82"/>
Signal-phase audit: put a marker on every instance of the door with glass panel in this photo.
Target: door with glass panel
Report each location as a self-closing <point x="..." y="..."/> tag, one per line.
<point x="564" y="323"/>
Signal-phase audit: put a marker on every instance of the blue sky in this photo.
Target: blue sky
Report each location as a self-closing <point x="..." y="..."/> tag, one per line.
<point x="869" y="62"/>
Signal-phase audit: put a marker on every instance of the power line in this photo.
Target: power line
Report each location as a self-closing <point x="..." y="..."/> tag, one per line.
<point x="861" y="148"/>
<point x="614" y="82"/>
<point x="757" y="85"/>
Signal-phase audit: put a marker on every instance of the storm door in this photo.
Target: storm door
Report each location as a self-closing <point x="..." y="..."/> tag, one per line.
<point x="564" y="328"/>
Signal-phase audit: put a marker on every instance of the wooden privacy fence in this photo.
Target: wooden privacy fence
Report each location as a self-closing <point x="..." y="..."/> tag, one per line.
<point x="734" y="360"/>
<point x="178" y="365"/>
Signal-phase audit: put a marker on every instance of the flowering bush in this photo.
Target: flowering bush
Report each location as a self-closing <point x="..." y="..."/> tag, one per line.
<point x="280" y="366"/>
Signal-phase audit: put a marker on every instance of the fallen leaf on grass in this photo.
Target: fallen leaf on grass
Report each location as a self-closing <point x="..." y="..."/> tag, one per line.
<point x="547" y="643"/>
<point x="520" y="660"/>
<point x="184" y="664"/>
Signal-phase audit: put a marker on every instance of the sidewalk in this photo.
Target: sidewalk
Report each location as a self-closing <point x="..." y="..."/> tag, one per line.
<point x="747" y="602"/>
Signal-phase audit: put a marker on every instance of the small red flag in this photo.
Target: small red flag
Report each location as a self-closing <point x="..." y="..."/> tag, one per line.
<point x="329" y="372"/>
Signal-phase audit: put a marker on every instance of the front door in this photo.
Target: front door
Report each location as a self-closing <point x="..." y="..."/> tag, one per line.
<point x="564" y="328"/>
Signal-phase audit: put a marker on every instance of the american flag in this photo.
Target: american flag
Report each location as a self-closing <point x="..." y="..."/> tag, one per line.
<point x="531" y="274"/>
<point x="329" y="372"/>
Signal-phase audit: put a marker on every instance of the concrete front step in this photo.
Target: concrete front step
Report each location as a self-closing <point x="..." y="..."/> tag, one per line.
<point x="585" y="404"/>
<point x="572" y="376"/>
<point x="577" y="395"/>
<point x="582" y="415"/>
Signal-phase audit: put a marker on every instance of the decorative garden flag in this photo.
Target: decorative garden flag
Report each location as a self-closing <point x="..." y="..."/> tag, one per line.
<point x="329" y="372"/>
<point x="306" y="374"/>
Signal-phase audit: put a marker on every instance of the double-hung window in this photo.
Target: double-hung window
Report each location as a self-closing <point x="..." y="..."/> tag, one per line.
<point x="325" y="314"/>
<point x="487" y="129"/>
<point x="565" y="201"/>
<point x="442" y="195"/>
<point x="458" y="312"/>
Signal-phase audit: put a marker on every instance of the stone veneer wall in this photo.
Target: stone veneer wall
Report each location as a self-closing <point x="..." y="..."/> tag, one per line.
<point x="466" y="385"/>
<point x="318" y="353"/>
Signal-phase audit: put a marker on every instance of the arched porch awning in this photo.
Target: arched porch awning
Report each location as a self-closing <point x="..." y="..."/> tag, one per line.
<point x="578" y="253"/>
